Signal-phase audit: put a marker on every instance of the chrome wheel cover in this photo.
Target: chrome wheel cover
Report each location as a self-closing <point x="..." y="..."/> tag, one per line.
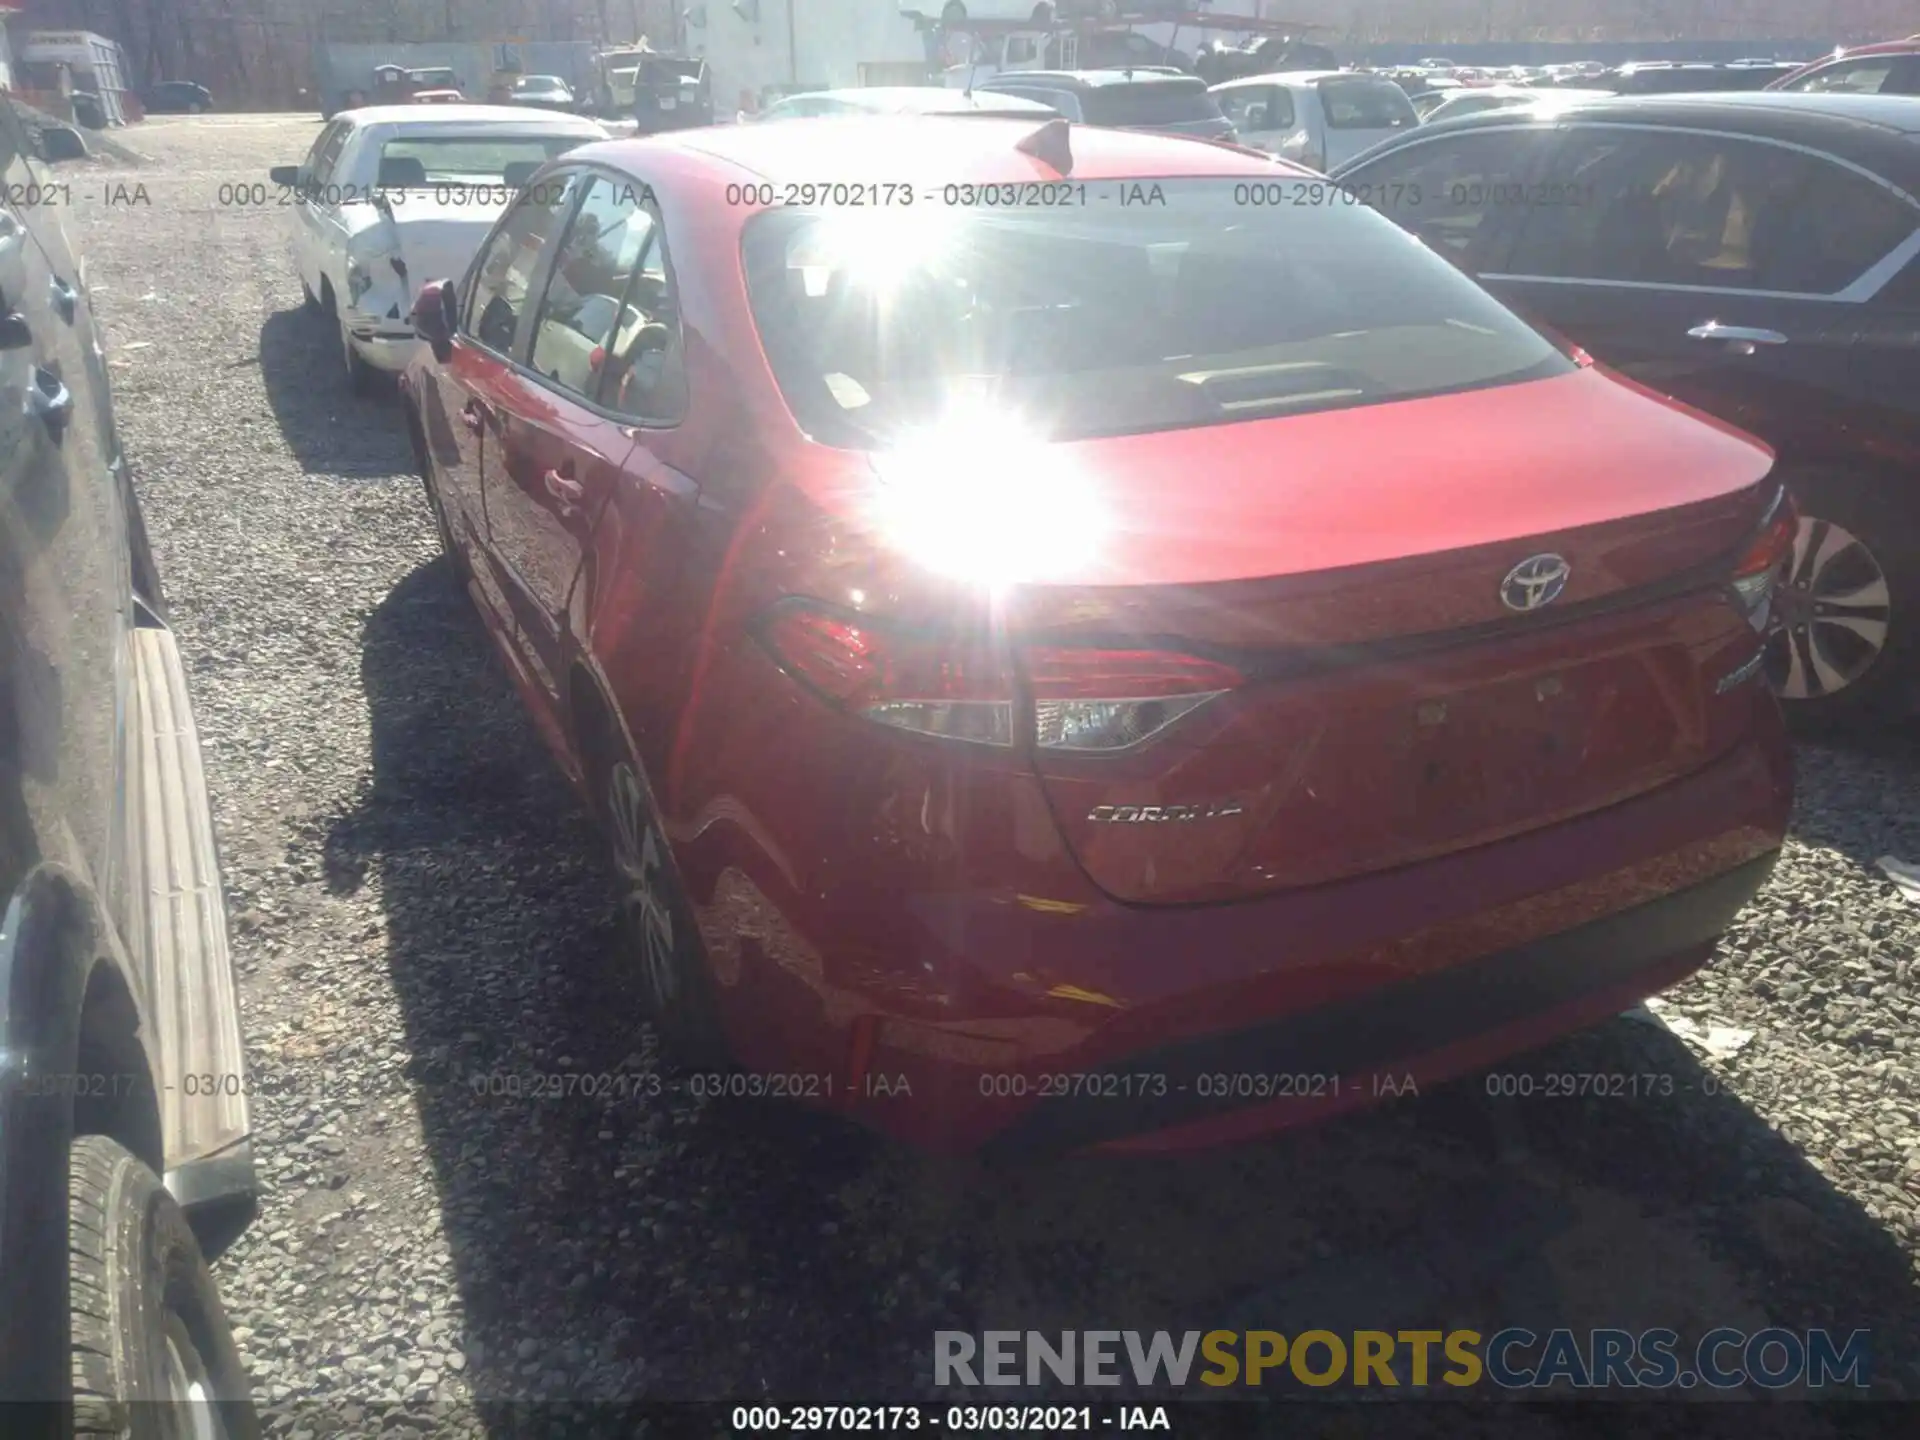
<point x="1831" y="613"/>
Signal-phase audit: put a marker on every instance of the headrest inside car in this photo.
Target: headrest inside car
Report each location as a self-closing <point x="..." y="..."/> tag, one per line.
<point x="402" y="172"/>
<point x="519" y="173"/>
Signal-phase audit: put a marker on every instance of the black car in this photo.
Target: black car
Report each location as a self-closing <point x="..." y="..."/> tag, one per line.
<point x="1138" y="99"/>
<point x="125" y="1139"/>
<point x="671" y="92"/>
<point x="1755" y="255"/>
<point x="177" y="97"/>
<point x="1676" y="77"/>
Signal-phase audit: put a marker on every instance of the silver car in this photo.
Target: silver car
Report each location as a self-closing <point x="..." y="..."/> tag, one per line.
<point x="1317" y="117"/>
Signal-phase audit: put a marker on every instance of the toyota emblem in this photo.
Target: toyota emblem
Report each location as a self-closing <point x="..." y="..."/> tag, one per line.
<point x="1534" y="582"/>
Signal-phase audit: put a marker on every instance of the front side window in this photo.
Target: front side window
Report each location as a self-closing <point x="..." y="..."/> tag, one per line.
<point x="330" y="148"/>
<point x="1363" y="104"/>
<point x="578" y="315"/>
<point x="505" y="270"/>
<point x="1107" y="321"/>
<point x="1713" y="211"/>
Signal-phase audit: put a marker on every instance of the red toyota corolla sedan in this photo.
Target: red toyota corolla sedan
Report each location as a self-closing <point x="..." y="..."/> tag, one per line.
<point x="1044" y="685"/>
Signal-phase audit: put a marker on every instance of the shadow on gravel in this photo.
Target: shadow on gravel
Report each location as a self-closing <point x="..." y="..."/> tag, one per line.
<point x="640" y="1243"/>
<point x="330" y="430"/>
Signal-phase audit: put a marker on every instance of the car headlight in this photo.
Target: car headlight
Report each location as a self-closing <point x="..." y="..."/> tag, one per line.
<point x="358" y="281"/>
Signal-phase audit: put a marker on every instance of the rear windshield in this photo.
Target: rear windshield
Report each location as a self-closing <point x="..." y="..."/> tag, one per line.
<point x="1366" y="105"/>
<point x="1169" y="104"/>
<point x="431" y="160"/>
<point x="1230" y="301"/>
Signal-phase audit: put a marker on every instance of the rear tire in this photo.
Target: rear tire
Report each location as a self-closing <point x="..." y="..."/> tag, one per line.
<point x="657" y="932"/>
<point x="1847" y="621"/>
<point x="146" y="1323"/>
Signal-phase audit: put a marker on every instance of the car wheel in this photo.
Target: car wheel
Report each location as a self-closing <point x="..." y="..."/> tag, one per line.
<point x="146" y="1323"/>
<point x="1846" y="614"/>
<point x="657" y="930"/>
<point x="361" y="377"/>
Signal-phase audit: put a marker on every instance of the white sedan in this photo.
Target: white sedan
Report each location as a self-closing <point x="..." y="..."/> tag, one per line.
<point x="392" y="195"/>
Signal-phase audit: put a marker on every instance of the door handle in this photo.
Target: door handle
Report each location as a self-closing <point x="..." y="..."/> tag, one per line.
<point x="1739" y="334"/>
<point x="564" y="488"/>
<point x="50" y="399"/>
<point x="66" y="299"/>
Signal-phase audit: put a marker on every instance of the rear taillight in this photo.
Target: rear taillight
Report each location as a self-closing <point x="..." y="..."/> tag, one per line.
<point x="1093" y="700"/>
<point x="1764" y="562"/>
<point x="965" y="687"/>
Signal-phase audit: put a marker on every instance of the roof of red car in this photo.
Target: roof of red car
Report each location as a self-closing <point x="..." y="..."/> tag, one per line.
<point x="1883" y="47"/>
<point x="929" y="151"/>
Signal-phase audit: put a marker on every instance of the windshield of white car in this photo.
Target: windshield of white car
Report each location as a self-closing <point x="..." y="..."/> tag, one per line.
<point x="469" y="159"/>
<point x="1232" y="300"/>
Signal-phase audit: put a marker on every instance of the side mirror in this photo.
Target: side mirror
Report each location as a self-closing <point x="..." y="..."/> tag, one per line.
<point x="435" y="314"/>
<point x="61" y="142"/>
<point x="287" y="176"/>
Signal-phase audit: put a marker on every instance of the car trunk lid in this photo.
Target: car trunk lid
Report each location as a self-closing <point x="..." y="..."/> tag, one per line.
<point x="1390" y="706"/>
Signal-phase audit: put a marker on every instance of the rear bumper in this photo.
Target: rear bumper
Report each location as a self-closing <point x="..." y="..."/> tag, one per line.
<point x="1343" y="1056"/>
<point x="1056" y="1019"/>
<point x="386" y="345"/>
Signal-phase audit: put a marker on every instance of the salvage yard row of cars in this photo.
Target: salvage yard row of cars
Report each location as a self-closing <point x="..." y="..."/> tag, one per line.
<point x="955" y="616"/>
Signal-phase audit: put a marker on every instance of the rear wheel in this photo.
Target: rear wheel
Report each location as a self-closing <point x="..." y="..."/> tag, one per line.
<point x="657" y="930"/>
<point x="146" y="1324"/>
<point x="1847" y="617"/>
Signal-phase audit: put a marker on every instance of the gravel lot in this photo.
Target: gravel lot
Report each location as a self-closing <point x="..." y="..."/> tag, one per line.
<point x="418" y="900"/>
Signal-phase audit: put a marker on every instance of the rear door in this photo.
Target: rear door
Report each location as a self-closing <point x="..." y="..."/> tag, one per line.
<point x="472" y="385"/>
<point x="1727" y="272"/>
<point x="313" y="222"/>
<point x="560" y="458"/>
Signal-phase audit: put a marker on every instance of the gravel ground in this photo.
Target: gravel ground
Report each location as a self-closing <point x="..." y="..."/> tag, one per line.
<point x="418" y="901"/>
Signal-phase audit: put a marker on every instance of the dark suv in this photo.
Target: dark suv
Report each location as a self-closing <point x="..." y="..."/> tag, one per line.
<point x="1138" y="99"/>
<point x="125" y="1138"/>
<point x="1755" y="255"/>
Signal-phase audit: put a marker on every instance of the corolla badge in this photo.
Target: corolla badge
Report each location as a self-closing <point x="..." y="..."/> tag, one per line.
<point x="1535" y="581"/>
<point x="1163" y="814"/>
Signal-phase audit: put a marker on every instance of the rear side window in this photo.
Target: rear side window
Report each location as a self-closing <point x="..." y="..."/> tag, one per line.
<point x="1169" y="104"/>
<point x="504" y="272"/>
<point x="1710" y="211"/>
<point x="588" y="283"/>
<point x="1221" y="305"/>
<point x="1360" y="104"/>
<point x="467" y="159"/>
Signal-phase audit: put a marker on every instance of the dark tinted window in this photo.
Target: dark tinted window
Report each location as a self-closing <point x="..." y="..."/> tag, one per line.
<point x="1445" y="191"/>
<point x="1171" y="103"/>
<point x="1706" y="210"/>
<point x="1111" y="321"/>
<point x="504" y="272"/>
<point x="1365" y="104"/>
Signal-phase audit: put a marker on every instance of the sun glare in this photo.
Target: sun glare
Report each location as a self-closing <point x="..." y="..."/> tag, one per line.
<point x="979" y="497"/>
